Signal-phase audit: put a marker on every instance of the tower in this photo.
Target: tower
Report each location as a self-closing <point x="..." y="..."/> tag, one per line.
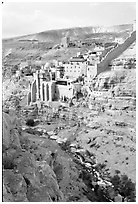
<point x="65" y="40"/>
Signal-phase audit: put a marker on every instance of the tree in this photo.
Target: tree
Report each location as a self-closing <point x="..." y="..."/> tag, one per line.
<point x="125" y="186"/>
<point x="14" y="69"/>
<point x="30" y="122"/>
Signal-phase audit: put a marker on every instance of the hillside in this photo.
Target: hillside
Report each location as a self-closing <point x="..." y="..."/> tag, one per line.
<point x="83" y="152"/>
<point x="76" y="156"/>
<point x="40" y="46"/>
<point x="56" y="35"/>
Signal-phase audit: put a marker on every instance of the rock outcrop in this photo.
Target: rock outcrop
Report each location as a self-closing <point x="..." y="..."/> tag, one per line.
<point x="29" y="180"/>
<point x="10" y="132"/>
<point x="24" y="178"/>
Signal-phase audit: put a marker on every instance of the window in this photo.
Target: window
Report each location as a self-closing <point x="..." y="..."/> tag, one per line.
<point x="61" y="83"/>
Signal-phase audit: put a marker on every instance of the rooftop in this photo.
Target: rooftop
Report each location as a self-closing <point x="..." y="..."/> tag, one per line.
<point x="24" y="64"/>
<point x="77" y="59"/>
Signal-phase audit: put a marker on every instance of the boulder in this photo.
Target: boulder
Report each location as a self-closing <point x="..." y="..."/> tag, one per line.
<point x="6" y="130"/>
<point x="7" y="159"/>
<point x="10" y="134"/>
<point x="16" y="184"/>
<point x="49" y="180"/>
<point x="38" y="194"/>
<point x="68" y="178"/>
<point x="7" y="195"/>
<point x="40" y="179"/>
<point x="15" y="141"/>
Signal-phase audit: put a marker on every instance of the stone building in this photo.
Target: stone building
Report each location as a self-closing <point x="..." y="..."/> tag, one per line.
<point x="76" y="67"/>
<point x="59" y="72"/>
<point x="47" y="91"/>
<point x="91" y="72"/>
<point x="98" y="50"/>
<point x="41" y="88"/>
<point x="24" y="65"/>
<point x="65" y="42"/>
<point x="119" y="40"/>
<point x="66" y="89"/>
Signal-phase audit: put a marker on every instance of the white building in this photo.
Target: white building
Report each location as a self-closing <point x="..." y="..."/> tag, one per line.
<point x="99" y="50"/>
<point x="76" y="67"/>
<point x="91" y="73"/>
<point x="119" y="40"/>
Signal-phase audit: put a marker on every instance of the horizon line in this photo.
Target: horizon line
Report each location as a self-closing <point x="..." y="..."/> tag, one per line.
<point x="6" y="38"/>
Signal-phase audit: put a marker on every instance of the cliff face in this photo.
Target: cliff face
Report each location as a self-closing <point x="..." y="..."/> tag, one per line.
<point x="24" y="178"/>
<point x="30" y="173"/>
<point x="122" y="82"/>
<point x="10" y="134"/>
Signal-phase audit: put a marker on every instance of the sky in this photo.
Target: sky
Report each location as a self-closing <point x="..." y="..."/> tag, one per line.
<point x="20" y="18"/>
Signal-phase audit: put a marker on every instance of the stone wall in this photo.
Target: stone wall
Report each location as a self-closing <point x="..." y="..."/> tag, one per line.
<point x="116" y="52"/>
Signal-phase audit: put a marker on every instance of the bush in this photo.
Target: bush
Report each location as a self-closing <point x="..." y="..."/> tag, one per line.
<point x="125" y="186"/>
<point x="30" y="122"/>
<point x="14" y="69"/>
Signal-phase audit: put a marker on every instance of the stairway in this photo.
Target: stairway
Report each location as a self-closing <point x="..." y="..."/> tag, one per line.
<point x="114" y="53"/>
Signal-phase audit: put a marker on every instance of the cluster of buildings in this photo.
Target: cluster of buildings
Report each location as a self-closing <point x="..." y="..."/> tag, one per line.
<point x="83" y="66"/>
<point x="63" y="80"/>
<point x="45" y="89"/>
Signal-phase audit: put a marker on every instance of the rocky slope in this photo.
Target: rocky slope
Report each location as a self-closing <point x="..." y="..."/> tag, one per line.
<point x="40" y="46"/>
<point x="82" y="153"/>
<point x="56" y="35"/>
<point x="122" y="82"/>
<point x="31" y="173"/>
<point x="77" y="154"/>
